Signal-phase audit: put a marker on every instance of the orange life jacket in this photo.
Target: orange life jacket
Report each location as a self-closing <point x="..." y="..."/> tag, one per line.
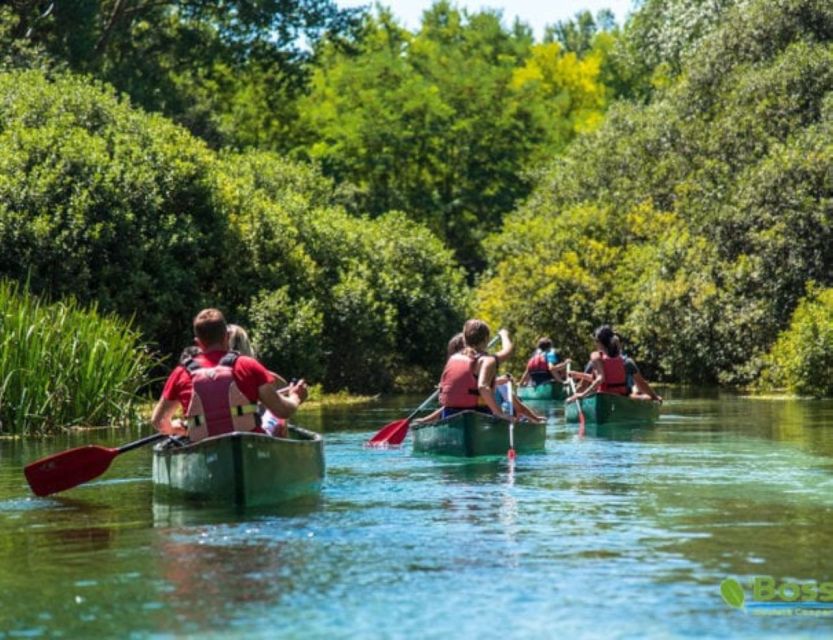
<point x="615" y="377"/>
<point x="217" y="405"/>
<point x="458" y="384"/>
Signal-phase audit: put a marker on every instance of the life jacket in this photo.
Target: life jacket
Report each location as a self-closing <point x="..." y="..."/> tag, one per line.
<point x="217" y="405"/>
<point x="539" y="368"/>
<point x="615" y="377"/>
<point x="458" y="384"/>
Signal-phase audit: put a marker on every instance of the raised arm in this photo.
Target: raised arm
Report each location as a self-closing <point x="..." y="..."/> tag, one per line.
<point x="506" y="346"/>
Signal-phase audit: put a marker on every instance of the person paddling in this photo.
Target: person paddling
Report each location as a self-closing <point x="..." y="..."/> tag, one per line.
<point x="457" y="345"/>
<point x="218" y="390"/>
<point x="468" y="380"/>
<point x="544" y="365"/>
<point x="609" y="371"/>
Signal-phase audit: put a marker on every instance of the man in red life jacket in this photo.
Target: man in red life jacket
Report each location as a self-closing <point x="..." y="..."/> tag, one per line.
<point x="218" y="390"/>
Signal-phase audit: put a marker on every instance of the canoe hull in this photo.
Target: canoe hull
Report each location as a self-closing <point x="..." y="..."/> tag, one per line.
<point x="544" y="391"/>
<point x="472" y="433"/>
<point x="607" y="408"/>
<point x="241" y="469"/>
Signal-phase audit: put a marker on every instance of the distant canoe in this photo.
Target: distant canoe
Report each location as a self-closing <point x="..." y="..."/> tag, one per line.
<point x="472" y="433"/>
<point x="605" y="408"/>
<point x="551" y="390"/>
<point x="241" y="469"/>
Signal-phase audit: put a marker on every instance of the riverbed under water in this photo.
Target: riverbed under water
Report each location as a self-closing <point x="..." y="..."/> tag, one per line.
<point x="621" y="533"/>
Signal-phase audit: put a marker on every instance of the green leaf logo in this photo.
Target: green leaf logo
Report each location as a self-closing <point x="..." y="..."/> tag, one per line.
<point x="732" y="592"/>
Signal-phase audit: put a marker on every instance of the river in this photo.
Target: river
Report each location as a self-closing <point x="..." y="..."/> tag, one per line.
<point x="620" y="533"/>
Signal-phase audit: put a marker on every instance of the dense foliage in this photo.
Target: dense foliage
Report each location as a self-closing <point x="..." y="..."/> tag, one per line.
<point x="64" y="365"/>
<point x="694" y="222"/>
<point x="671" y="175"/>
<point x="444" y="123"/>
<point x="105" y="203"/>
<point x="227" y="70"/>
<point x="801" y="360"/>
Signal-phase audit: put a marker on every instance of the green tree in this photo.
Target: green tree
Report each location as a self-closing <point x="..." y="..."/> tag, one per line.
<point x="211" y="66"/>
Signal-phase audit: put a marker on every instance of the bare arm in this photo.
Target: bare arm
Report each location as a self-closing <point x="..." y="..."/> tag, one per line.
<point x="283" y="405"/>
<point x="598" y="377"/>
<point x="644" y="387"/>
<point x="484" y="386"/>
<point x="161" y="417"/>
<point x="506" y="346"/>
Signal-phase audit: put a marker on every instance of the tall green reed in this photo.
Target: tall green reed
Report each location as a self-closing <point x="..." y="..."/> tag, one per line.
<point x="63" y="365"/>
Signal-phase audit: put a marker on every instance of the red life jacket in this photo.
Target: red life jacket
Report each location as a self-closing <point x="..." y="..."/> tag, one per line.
<point x="458" y="384"/>
<point x="538" y="363"/>
<point x="615" y="377"/>
<point x="539" y="368"/>
<point x="217" y="405"/>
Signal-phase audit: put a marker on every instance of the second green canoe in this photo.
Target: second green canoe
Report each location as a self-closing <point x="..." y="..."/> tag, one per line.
<point x="605" y="408"/>
<point x="472" y="433"/>
<point x="551" y="390"/>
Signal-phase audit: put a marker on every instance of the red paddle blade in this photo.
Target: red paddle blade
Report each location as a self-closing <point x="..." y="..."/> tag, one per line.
<point x="580" y="421"/>
<point x="393" y="433"/>
<point x="510" y="454"/>
<point x="68" y="469"/>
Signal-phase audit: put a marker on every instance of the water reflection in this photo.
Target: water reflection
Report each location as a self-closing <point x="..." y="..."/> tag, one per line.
<point x="621" y="533"/>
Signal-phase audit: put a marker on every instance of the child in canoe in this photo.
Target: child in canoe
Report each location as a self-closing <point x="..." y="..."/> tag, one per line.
<point x="544" y="365"/>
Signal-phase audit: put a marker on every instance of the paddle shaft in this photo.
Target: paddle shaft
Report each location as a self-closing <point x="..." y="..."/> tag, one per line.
<point x="511" y="452"/>
<point x="577" y="401"/>
<point x="141" y="443"/>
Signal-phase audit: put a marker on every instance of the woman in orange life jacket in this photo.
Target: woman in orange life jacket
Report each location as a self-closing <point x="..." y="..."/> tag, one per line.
<point x="218" y="389"/>
<point x="543" y="366"/>
<point x="468" y="380"/>
<point x="611" y="372"/>
<point x="457" y="345"/>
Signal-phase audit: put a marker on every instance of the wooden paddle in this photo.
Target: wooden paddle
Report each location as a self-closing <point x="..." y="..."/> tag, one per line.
<point x="68" y="469"/>
<point x="394" y="433"/>
<point x="578" y="402"/>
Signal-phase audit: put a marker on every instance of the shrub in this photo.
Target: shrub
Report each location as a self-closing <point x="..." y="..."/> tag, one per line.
<point x="801" y="360"/>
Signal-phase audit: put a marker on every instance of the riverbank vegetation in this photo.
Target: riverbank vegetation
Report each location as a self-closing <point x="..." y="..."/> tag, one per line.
<point x="63" y="365"/>
<point x="351" y="201"/>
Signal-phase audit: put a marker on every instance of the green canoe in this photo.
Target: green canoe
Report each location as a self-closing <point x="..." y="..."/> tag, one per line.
<point x="551" y="390"/>
<point x="605" y="408"/>
<point x="472" y="433"/>
<point x="240" y="469"/>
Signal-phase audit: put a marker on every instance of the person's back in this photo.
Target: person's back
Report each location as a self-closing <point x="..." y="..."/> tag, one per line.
<point x="458" y="383"/>
<point x="218" y="390"/>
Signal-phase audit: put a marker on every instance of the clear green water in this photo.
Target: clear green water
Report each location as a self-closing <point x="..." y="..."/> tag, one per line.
<point x="619" y="534"/>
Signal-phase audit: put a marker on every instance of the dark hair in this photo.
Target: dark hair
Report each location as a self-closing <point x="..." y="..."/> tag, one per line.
<point x="188" y="353"/>
<point x="544" y="344"/>
<point x="475" y="332"/>
<point x="210" y="326"/>
<point x="456" y="344"/>
<point x="605" y="336"/>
